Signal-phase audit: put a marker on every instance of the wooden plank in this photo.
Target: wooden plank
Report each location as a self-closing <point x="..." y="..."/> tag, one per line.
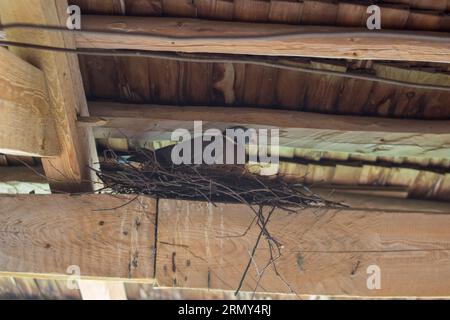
<point x="11" y="287"/>
<point x="283" y="11"/>
<point x="294" y="90"/>
<point x="423" y="21"/>
<point x="251" y="10"/>
<point x="188" y="35"/>
<point x="48" y="234"/>
<point x="26" y="125"/>
<point x="319" y="12"/>
<point x="397" y="235"/>
<point x="351" y="134"/>
<point x="69" y="172"/>
<point x="142" y="292"/>
<point x="33" y="174"/>
<point x="102" y="290"/>
<point x="349" y="13"/>
<point x="28" y="288"/>
<point x="426" y="5"/>
<point x="368" y="179"/>
<point x="117" y="115"/>
<point x="325" y="252"/>
<point x="179" y="8"/>
<point x="144" y="7"/>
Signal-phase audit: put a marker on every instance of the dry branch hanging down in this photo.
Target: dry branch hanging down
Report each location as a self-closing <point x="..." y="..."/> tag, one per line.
<point x="146" y="172"/>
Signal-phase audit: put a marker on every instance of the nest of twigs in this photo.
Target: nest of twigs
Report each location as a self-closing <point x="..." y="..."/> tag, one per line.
<point x="143" y="172"/>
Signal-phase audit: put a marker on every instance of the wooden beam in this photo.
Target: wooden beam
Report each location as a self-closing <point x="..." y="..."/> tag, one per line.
<point x="362" y="135"/>
<point x="22" y="174"/>
<point x="69" y="171"/>
<point x="324" y="252"/>
<point x="37" y="286"/>
<point x="200" y="36"/>
<point x="26" y="125"/>
<point x="48" y="234"/>
<point x="196" y="247"/>
<point x="117" y="115"/>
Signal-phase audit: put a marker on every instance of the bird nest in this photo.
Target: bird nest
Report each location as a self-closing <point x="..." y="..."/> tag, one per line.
<point x="142" y="172"/>
<point x="145" y="172"/>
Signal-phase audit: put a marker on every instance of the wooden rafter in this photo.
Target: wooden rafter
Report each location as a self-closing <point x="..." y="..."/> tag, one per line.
<point x="200" y="36"/>
<point x="119" y="115"/>
<point x="352" y="134"/>
<point x="69" y="171"/>
<point x="26" y="125"/>
<point x="196" y="245"/>
<point x="406" y="239"/>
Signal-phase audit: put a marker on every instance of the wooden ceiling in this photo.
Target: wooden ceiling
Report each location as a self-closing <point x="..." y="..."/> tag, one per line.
<point x="396" y="14"/>
<point x="358" y="138"/>
<point x="146" y="80"/>
<point x="410" y="162"/>
<point x="180" y="83"/>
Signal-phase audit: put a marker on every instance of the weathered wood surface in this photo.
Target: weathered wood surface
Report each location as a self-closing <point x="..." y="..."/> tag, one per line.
<point x="69" y="171"/>
<point x="200" y="36"/>
<point x="48" y="234"/>
<point x="404" y="15"/>
<point x="16" y="286"/>
<point x="163" y="82"/>
<point x="102" y="290"/>
<point x="377" y="137"/>
<point x="26" y="124"/>
<point x="416" y="183"/>
<point x="119" y="115"/>
<point x="324" y="251"/>
<point x="33" y="174"/>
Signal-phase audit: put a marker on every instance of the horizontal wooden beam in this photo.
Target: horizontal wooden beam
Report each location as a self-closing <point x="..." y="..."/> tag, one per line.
<point x="200" y="36"/>
<point x="96" y="234"/>
<point x="26" y="124"/>
<point x="69" y="170"/>
<point x="363" y="135"/>
<point x="326" y="251"/>
<point x="323" y="251"/>
<point x="22" y="174"/>
<point x="122" y="116"/>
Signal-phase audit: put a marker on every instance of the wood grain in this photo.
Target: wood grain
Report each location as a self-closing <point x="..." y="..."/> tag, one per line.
<point x="283" y="89"/>
<point x="69" y="171"/>
<point x="47" y="234"/>
<point x="102" y="290"/>
<point x="394" y="15"/>
<point x="26" y="124"/>
<point x="115" y="113"/>
<point x="33" y="174"/>
<point x="356" y="46"/>
<point x="362" y="135"/>
<point x="15" y="286"/>
<point x="325" y="252"/>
